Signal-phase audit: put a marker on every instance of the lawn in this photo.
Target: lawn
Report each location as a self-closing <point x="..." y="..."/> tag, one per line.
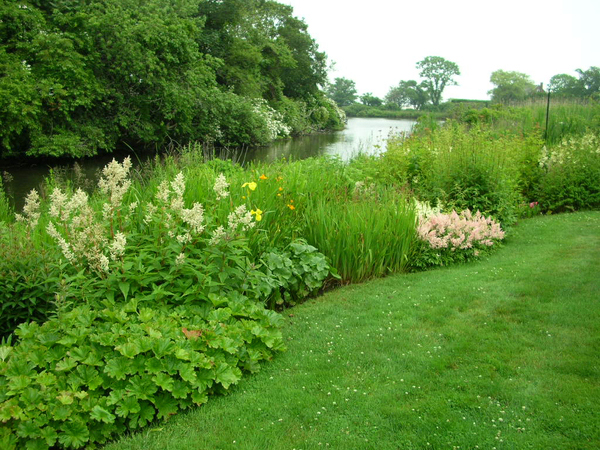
<point x="501" y="353"/>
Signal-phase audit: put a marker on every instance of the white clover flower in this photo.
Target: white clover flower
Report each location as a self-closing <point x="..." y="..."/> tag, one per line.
<point x="221" y="187"/>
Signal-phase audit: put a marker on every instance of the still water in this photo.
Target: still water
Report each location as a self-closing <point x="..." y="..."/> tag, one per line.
<point x="361" y="135"/>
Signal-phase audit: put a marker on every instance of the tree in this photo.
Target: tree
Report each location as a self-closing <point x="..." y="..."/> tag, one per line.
<point x="589" y="80"/>
<point x="342" y="91"/>
<point x="511" y="86"/>
<point x="407" y="93"/>
<point x="369" y="99"/>
<point x="565" y="85"/>
<point x="438" y="73"/>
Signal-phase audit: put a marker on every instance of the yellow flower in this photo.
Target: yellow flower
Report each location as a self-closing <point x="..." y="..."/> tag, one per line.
<point x="292" y="207"/>
<point x="257" y="213"/>
<point x="251" y="185"/>
<point x="263" y="177"/>
<point x="280" y="188"/>
<point x="278" y="195"/>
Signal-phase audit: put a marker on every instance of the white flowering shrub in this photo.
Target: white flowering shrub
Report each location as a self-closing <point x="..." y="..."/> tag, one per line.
<point x="273" y="120"/>
<point x="570" y="174"/>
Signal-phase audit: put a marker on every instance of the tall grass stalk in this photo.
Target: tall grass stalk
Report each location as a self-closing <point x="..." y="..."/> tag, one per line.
<point x="365" y="237"/>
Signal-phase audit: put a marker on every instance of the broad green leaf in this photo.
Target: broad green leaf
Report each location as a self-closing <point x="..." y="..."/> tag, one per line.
<point x="129" y="349"/>
<point x="65" y="397"/>
<point x="142" y="388"/>
<point x="163" y="380"/>
<point x="66" y="364"/>
<point x="183" y="354"/>
<point x="102" y="415"/>
<point x="74" y="434"/>
<point x="227" y="375"/>
<point x="61" y="412"/>
<point x="49" y="435"/>
<point x="163" y="347"/>
<point x="165" y="405"/>
<point x="10" y="409"/>
<point x="180" y="389"/>
<point x="144" y="416"/>
<point x="220" y="315"/>
<point x="36" y="444"/>
<point x="118" y="367"/>
<point x="200" y="396"/>
<point x="154" y="365"/>
<point x="19" y="383"/>
<point x="205" y="378"/>
<point x="128" y="406"/>
<point x="187" y="373"/>
<point x="28" y="429"/>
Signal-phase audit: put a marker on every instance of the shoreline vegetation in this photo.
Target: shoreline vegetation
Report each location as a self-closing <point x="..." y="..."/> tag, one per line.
<point x="128" y="300"/>
<point x="165" y="284"/>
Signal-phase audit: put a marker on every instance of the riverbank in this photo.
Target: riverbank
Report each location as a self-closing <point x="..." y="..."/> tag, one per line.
<point x="358" y="110"/>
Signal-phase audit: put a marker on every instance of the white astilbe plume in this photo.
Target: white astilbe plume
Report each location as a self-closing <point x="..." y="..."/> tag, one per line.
<point x="178" y="188"/>
<point x="117" y="247"/>
<point x="163" y="192"/>
<point x="194" y="217"/>
<point x="31" y="210"/>
<point x="240" y="217"/>
<point x="64" y="245"/>
<point x="221" y="187"/>
<point x="114" y="182"/>
<point x="218" y="235"/>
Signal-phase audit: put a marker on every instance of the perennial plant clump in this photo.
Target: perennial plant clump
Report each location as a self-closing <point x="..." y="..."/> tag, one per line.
<point x="455" y="237"/>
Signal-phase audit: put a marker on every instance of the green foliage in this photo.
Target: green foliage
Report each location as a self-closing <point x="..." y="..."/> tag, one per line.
<point x="79" y="78"/>
<point x="92" y="372"/>
<point x="342" y="91"/>
<point x="408" y="93"/>
<point x="369" y="99"/>
<point x="474" y="169"/>
<point x="437" y="73"/>
<point x="364" y="233"/>
<point x="511" y="86"/>
<point x="570" y="174"/>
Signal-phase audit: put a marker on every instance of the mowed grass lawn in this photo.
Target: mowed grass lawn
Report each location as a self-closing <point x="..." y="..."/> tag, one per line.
<point x="502" y="353"/>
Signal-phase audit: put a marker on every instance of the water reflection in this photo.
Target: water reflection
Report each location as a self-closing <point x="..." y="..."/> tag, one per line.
<point x="360" y="136"/>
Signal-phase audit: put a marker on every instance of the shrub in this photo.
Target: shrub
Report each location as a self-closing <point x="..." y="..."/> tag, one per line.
<point x="570" y="174"/>
<point x="93" y="372"/>
<point x="450" y="238"/>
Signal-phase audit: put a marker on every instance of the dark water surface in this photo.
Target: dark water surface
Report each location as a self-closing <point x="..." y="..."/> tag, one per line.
<point x="360" y="136"/>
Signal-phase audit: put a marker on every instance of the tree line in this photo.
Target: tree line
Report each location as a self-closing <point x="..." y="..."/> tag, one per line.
<point x="79" y="78"/>
<point x="437" y="73"/>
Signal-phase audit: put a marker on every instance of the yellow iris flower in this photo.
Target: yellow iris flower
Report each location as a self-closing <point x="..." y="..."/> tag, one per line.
<point x="257" y="213"/>
<point x="251" y="185"/>
<point x="263" y="177"/>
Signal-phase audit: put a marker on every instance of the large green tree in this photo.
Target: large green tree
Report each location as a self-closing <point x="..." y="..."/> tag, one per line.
<point x="407" y="93"/>
<point x="437" y="73"/>
<point x="511" y="86"/>
<point x="342" y="91"/>
<point x="77" y="78"/>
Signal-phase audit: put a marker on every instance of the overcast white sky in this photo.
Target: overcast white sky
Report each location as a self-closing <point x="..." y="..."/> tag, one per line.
<point x="377" y="43"/>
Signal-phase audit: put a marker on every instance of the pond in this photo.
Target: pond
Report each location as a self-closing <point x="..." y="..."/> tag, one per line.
<point x="361" y="135"/>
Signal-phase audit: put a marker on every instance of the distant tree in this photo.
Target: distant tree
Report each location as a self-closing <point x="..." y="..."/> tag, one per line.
<point x="511" y="86"/>
<point x="407" y="93"/>
<point x="589" y="81"/>
<point x="342" y="91"/>
<point x="369" y="99"/>
<point x="565" y="85"/>
<point x="438" y="73"/>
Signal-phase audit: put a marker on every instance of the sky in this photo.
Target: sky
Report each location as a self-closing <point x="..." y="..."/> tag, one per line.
<point x="377" y="43"/>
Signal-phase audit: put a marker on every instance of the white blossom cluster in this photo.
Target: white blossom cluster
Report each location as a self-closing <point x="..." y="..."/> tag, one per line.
<point x="221" y="187"/>
<point x="273" y="120"/>
<point x="31" y="210"/>
<point x="575" y="151"/>
<point x="240" y="218"/>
